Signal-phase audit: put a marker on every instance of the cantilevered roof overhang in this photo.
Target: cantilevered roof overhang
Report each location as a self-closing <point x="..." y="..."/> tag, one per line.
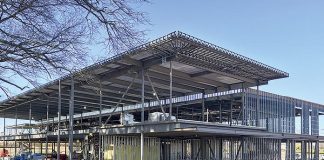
<point x="197" y="66"/>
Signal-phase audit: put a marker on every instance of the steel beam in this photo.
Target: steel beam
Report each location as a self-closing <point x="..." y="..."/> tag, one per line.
<point x="183" y="81"/>
<point x="122" y="98"/>
<point x="182" y="75"/>
<point x="180" y="87"/>
<point x="106" y="90"/>
<point x="111" y="97"/>
<point x="160" y="89"/>
<point x="27" y="102"/>
<point x="156" y="95"/>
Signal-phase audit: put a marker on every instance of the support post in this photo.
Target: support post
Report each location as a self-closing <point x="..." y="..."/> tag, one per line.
<point x="170" y="103"/>
<point x="71" y="113"/>
<point x="81" y="121"/>
<point x="177" y="114"/>
<point x="203" y="106"/>
<point x="47" y="126"/>
<point x="16" y="130"/>
<point x="100" y="106"/>
<point x="207" y="116"/>
<point x="59" y="121"/>
<point x="231" y="149"/>
<point x="4" y="133"/>
<point x="316" y="152"/>
<point x="231" y="112"/>
<point x="220" y="113"/>
<point x="244" y="148"/>
<point x="142" y="115"/>
<point x="204" y="152"/>
<point x="100" y="121"/>
<point x="220" y="151"/>
<point x="243" y="105"/>
<point x="65" y="148"/>
<point x="303" y="150"/>
<point x="29" y="130"/>
<point x="258" y="107"/>
<point x="41" y="147"/>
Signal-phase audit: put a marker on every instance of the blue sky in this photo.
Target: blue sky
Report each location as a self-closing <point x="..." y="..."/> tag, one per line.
<point x="288" y="35"/>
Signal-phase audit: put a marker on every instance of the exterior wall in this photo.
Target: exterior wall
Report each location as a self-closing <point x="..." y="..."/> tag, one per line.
<point x="204" y="148"/>
<point x="128" y="148"/>
<point x="278" y="113"/>
<point x="274" y="112"/>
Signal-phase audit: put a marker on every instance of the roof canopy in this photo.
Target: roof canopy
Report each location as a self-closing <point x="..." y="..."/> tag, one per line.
<point x="197" y="66"/>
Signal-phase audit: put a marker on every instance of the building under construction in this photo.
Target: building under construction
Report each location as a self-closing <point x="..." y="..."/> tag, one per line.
<point x="174" y="98"/>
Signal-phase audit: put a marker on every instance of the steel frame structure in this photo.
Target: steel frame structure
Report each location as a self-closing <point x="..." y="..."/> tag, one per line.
<point x="205" y="87"/>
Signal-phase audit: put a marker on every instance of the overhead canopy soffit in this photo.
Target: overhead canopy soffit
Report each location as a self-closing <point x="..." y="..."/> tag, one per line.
<point x="197" y="66"/>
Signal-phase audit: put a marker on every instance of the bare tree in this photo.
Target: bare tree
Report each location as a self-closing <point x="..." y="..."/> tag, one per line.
<point x="48" y="37"/>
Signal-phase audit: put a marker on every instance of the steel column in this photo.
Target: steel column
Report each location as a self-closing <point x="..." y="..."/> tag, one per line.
<point x="142" y="115"/>
<point x="316" y="152"/>
<point x="100" y="106"/>
<point x="303" y="150"/>
<point x="100" y="121"/>
<point x="59" y="121"/>
<point x="71" y="113"/>
<point x="243" y="106"/>
<point x="170" y="102"/>
<point x="220" y="113"/>
<point x="29" y="135"/>
<point x="231" y="148"/>
<point x="207" y="116"/>
<point x="81" y="120"/>
<point x="47" y="126"/>
<point x="231" y="112"/>
<point x="4" y="133"/>
<point x="203" y="106"/>
<point x="16" y="131"/>
<point x="258" y="107"/>
<point x="65" y="147"/>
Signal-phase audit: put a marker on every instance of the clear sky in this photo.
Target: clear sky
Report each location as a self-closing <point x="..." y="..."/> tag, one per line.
<point x="288" y="35"/>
